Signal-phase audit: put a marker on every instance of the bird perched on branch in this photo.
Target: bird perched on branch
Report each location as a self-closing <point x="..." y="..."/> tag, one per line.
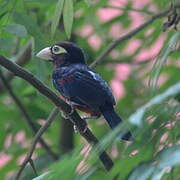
<point x="80" y="86"/>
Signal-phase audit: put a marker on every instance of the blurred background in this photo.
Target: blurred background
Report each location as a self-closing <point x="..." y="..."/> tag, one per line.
<point x="138" y="69"/>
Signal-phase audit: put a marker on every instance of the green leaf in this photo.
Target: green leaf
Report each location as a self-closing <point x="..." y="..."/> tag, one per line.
<point x="132" y="162"/>
<point x="66" y="167"/>
<point x="34" y="30"/>
<point x="6" y="44"/>
<point x="41" y="177"/>
<point x="136" y="118"/>
<point x="142" y="172"/>
<point x="162" y="59"/>
<point x="41" y="1"/>
<point x="87" y="175"/>
<point x="57" y="16"/>
<point x="28" y="91"/>
<point x="88" y="2"/>
<point x="68" y="17"/>
<point x="29" y="23"/>
<point x="169" y="156"/>
<point x="16" y="29"/>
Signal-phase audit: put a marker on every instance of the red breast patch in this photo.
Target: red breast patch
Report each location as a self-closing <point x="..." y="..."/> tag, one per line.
<point x="63" y="81"/>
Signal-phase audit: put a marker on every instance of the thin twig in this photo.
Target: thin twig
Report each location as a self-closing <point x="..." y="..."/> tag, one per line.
<point x="127" y="36"/>
<point x="35" y="141"/>
<point x="26" y="116"/>
<point x="43" y="89"/>
<point x="33" y="166"/>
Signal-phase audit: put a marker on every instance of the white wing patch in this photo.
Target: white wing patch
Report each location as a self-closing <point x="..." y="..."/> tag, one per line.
<point x="93" y="74"/>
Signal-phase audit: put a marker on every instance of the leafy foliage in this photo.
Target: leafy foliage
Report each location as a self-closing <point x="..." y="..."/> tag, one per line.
<point x="16" y="29"/>
<point x="147" y="95"/>
<point x="57" y="16"/>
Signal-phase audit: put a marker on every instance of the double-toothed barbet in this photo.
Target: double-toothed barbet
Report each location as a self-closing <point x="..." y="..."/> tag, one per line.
<point x="79" y="85"/>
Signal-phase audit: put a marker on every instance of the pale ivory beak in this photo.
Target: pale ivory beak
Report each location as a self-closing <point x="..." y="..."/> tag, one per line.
<point x="45" y="54"/>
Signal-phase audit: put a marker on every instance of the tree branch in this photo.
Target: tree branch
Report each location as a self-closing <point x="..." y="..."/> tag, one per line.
<point x="43" y="89"/>
<point x="26" y="116"/>
<point x="35" y="141"/>
<point x="33" y="166"/>
<point x="127" y="36"/>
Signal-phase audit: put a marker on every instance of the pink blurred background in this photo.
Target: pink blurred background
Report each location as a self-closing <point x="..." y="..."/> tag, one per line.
<point x="122" y="71"/>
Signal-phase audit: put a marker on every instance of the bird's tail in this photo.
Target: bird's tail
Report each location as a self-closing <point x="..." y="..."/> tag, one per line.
<point x="113" y="120"/>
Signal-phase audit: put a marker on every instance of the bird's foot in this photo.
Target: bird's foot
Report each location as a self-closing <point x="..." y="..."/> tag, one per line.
<point x="66" y="115"/>
<point x="76" y="129"/>
<point x="90" y="117"/>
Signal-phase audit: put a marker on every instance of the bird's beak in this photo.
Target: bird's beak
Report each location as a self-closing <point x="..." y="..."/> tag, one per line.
<point x="45" y="54"/>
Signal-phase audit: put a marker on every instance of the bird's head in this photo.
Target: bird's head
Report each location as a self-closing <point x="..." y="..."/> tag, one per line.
<point x="63" y="53"/>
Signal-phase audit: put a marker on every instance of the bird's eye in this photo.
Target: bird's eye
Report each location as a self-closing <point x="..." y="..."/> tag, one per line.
<point x="58" y="50"/>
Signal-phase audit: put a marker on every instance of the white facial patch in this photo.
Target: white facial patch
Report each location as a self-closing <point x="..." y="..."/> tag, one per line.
<point x="58" y="50"/>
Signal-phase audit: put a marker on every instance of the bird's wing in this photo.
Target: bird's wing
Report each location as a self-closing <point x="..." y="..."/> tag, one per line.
<point x="85" y="87"/>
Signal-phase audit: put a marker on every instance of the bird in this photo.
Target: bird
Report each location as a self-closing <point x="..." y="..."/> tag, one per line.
<point x="80" y="86"/>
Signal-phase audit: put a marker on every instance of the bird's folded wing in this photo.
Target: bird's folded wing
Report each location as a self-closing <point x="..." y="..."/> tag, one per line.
<point x="87" y="88"/>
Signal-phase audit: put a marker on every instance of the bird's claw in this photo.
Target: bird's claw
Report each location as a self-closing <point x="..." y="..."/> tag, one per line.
<point x="66" y="116"/>
<point x="71" y="112"/>
<point x="77" y="130"/>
